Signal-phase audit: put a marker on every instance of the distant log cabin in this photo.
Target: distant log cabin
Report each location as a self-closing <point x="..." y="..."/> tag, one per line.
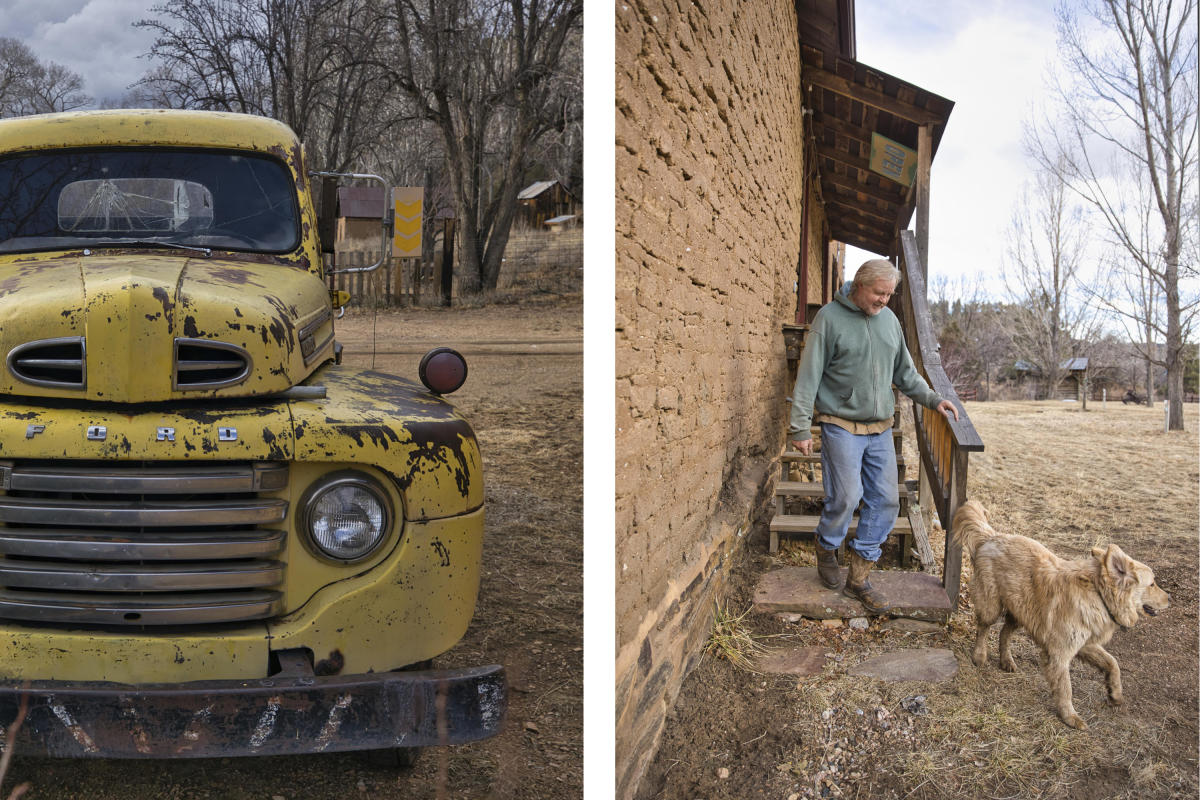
<point x="543" y="201"/>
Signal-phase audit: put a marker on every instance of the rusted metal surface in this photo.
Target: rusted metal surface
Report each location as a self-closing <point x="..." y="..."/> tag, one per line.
<point x="214" y="366"/>
<point x="292" y="712"/>
<point x="130" y="310"/>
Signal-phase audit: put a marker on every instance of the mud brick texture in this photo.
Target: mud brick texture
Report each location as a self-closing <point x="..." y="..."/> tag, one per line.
<point x="709" y="200"/>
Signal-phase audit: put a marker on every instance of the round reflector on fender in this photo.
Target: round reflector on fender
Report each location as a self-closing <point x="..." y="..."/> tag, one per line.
<point x="443" y="370"/>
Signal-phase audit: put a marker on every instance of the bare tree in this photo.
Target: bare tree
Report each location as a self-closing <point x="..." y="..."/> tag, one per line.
<point x="484" y="72"/>
<point x="29" y="86"/>
<point x="306" y="63"/>
<point x="974" y="332"/>
<point x="1132" y="294"/>
<point x="1132" y="95"/>
<point x="1043" y="274"/>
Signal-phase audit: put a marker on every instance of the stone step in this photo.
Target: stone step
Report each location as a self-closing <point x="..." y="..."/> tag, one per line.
<point x="797" y="590"/>
<point x="807" y="523"/>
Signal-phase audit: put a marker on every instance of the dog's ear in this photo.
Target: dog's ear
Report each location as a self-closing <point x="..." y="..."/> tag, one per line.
<point x="1117" y="564"/>
<point x="1098" y="552"/>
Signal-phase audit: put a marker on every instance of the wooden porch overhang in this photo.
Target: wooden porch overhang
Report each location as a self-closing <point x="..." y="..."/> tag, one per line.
<point x="847" y="102"/>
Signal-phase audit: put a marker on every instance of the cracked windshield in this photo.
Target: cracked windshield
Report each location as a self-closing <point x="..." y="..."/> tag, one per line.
<point x="147" y="198"/>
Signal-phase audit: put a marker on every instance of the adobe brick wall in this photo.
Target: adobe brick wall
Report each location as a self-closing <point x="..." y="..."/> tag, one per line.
<point x="709" y="185"/>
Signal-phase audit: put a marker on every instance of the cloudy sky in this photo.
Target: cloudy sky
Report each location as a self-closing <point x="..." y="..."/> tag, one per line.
<point x="990" y="58"/>
<point x="95" y="38"/>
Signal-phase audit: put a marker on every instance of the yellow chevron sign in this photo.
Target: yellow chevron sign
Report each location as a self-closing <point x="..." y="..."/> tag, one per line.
<point x="407" y="202"/>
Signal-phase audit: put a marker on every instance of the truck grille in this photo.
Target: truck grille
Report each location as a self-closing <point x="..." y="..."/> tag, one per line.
<point x="205" y="364"/>
<point x="57" y="363"/>
<point x="118" y="545"/>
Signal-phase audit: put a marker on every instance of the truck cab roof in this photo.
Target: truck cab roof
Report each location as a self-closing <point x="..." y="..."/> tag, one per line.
<point x="161" y="127"/>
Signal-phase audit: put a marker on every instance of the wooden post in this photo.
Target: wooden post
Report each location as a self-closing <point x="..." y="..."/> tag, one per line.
<point x="802" y="289"/>
<point x="956" y="496"/>
<point x="448" y="263"/>
<point x="924" y="163"/>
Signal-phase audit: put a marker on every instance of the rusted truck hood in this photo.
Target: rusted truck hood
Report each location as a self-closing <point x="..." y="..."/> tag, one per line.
<point x="130" y="313"/>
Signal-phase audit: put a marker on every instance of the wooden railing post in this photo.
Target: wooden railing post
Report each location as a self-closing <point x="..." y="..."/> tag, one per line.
<point x="944" y="445"/>
<point x="952" y="571"/>
<point x="924" y="166"/>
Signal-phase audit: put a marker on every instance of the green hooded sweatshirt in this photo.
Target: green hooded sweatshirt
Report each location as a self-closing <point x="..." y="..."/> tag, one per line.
<point x="850" y="361"/>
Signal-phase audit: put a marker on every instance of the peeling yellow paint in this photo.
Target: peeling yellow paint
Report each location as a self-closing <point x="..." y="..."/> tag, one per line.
<point x="411" y="600"/>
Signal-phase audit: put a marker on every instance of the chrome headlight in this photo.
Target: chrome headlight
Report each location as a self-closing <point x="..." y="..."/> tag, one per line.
<point x="345" y="516"/>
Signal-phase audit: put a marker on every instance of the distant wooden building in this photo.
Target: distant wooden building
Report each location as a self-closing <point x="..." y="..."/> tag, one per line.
<point x="1075" y="384"/>
<point x="545" y="200"/>
<point x="359" y="217"/>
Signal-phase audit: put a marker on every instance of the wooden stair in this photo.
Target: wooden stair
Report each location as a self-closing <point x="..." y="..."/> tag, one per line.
<point x="797" y="589"/>
<point x="913" y="538"/>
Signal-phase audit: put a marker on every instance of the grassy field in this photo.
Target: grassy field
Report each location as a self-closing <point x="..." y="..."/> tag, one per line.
<point x="1067" y="478"/>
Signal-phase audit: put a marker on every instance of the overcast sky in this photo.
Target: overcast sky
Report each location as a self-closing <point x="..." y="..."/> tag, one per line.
<point x="990" y="58"/>
<point x="95" y="38"/>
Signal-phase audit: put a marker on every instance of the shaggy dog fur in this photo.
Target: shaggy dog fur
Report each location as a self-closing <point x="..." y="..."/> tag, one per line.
<point x="1068" y="608"/>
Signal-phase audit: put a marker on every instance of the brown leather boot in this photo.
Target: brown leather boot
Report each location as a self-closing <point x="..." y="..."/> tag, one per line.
<point x="858" y="587"/>
<point x="827" y="567"/>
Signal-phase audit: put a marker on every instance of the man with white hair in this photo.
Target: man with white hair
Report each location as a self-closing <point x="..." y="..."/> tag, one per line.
<point x="854" y="352"/>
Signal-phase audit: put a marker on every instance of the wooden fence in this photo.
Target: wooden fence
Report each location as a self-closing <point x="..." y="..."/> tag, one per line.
<point x="397" y="282"/>
<point x="535" y="263"/>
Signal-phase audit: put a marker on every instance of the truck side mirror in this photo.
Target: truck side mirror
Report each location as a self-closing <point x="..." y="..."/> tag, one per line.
<point x="327" y="216"/>
<point x="327" y="219"/>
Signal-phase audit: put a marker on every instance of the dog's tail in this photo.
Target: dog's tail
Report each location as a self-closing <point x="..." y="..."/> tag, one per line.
<point x="971" y="526"/>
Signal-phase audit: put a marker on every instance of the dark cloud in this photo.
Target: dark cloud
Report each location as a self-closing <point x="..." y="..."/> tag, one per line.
<point x="95" y="38"/>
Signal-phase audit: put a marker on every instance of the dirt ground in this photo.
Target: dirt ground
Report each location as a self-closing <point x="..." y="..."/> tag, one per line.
<point x="524" y="397"/>
<point x="1071" y="480"/>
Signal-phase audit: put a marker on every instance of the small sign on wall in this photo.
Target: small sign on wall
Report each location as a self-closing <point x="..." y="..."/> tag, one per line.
<point x="893" y="160"/>
<point x="406" y="233"/>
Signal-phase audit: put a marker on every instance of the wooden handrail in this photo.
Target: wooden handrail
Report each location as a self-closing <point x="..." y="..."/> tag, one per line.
<point x="945" y="445"/>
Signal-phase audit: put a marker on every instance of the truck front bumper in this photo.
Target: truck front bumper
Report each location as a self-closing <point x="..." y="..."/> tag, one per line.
<point x="291" y="712"/>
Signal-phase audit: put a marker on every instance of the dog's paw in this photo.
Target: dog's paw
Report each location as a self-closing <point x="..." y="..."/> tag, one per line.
<point x="1116" y="699"/>
<point x="1076" y="722"/>
<point x="1008" y="665"/>
<point x="979" y="659"/>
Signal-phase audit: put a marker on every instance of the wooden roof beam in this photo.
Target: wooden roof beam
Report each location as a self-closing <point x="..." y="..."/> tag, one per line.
<point x="859" y="133"/>
<point x="875" y="219"/>
<point x="848" y="183"/>
<point x="861" y="240"/>
<point x="872" y="97"/>
<point x="858" y="162"/>
<point x="862" y="228"/>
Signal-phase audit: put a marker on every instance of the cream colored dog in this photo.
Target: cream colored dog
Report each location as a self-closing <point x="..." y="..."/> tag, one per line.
<point x="1067" y="607"/>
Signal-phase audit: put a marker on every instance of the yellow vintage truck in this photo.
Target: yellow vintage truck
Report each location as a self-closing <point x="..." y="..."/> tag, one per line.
<point x="215" y="538"/>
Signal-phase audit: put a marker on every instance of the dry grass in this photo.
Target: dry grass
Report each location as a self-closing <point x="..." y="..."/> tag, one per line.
<point x="1071" y="480"/>
<point x="732" y="640"/>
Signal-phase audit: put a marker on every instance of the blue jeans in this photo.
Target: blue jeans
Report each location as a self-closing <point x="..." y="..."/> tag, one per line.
<point x="858" y="467"/>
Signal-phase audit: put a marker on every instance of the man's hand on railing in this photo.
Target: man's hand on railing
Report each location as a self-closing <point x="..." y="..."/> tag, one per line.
<point x="804" y="447"/>
<point x="947" y="408"/>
